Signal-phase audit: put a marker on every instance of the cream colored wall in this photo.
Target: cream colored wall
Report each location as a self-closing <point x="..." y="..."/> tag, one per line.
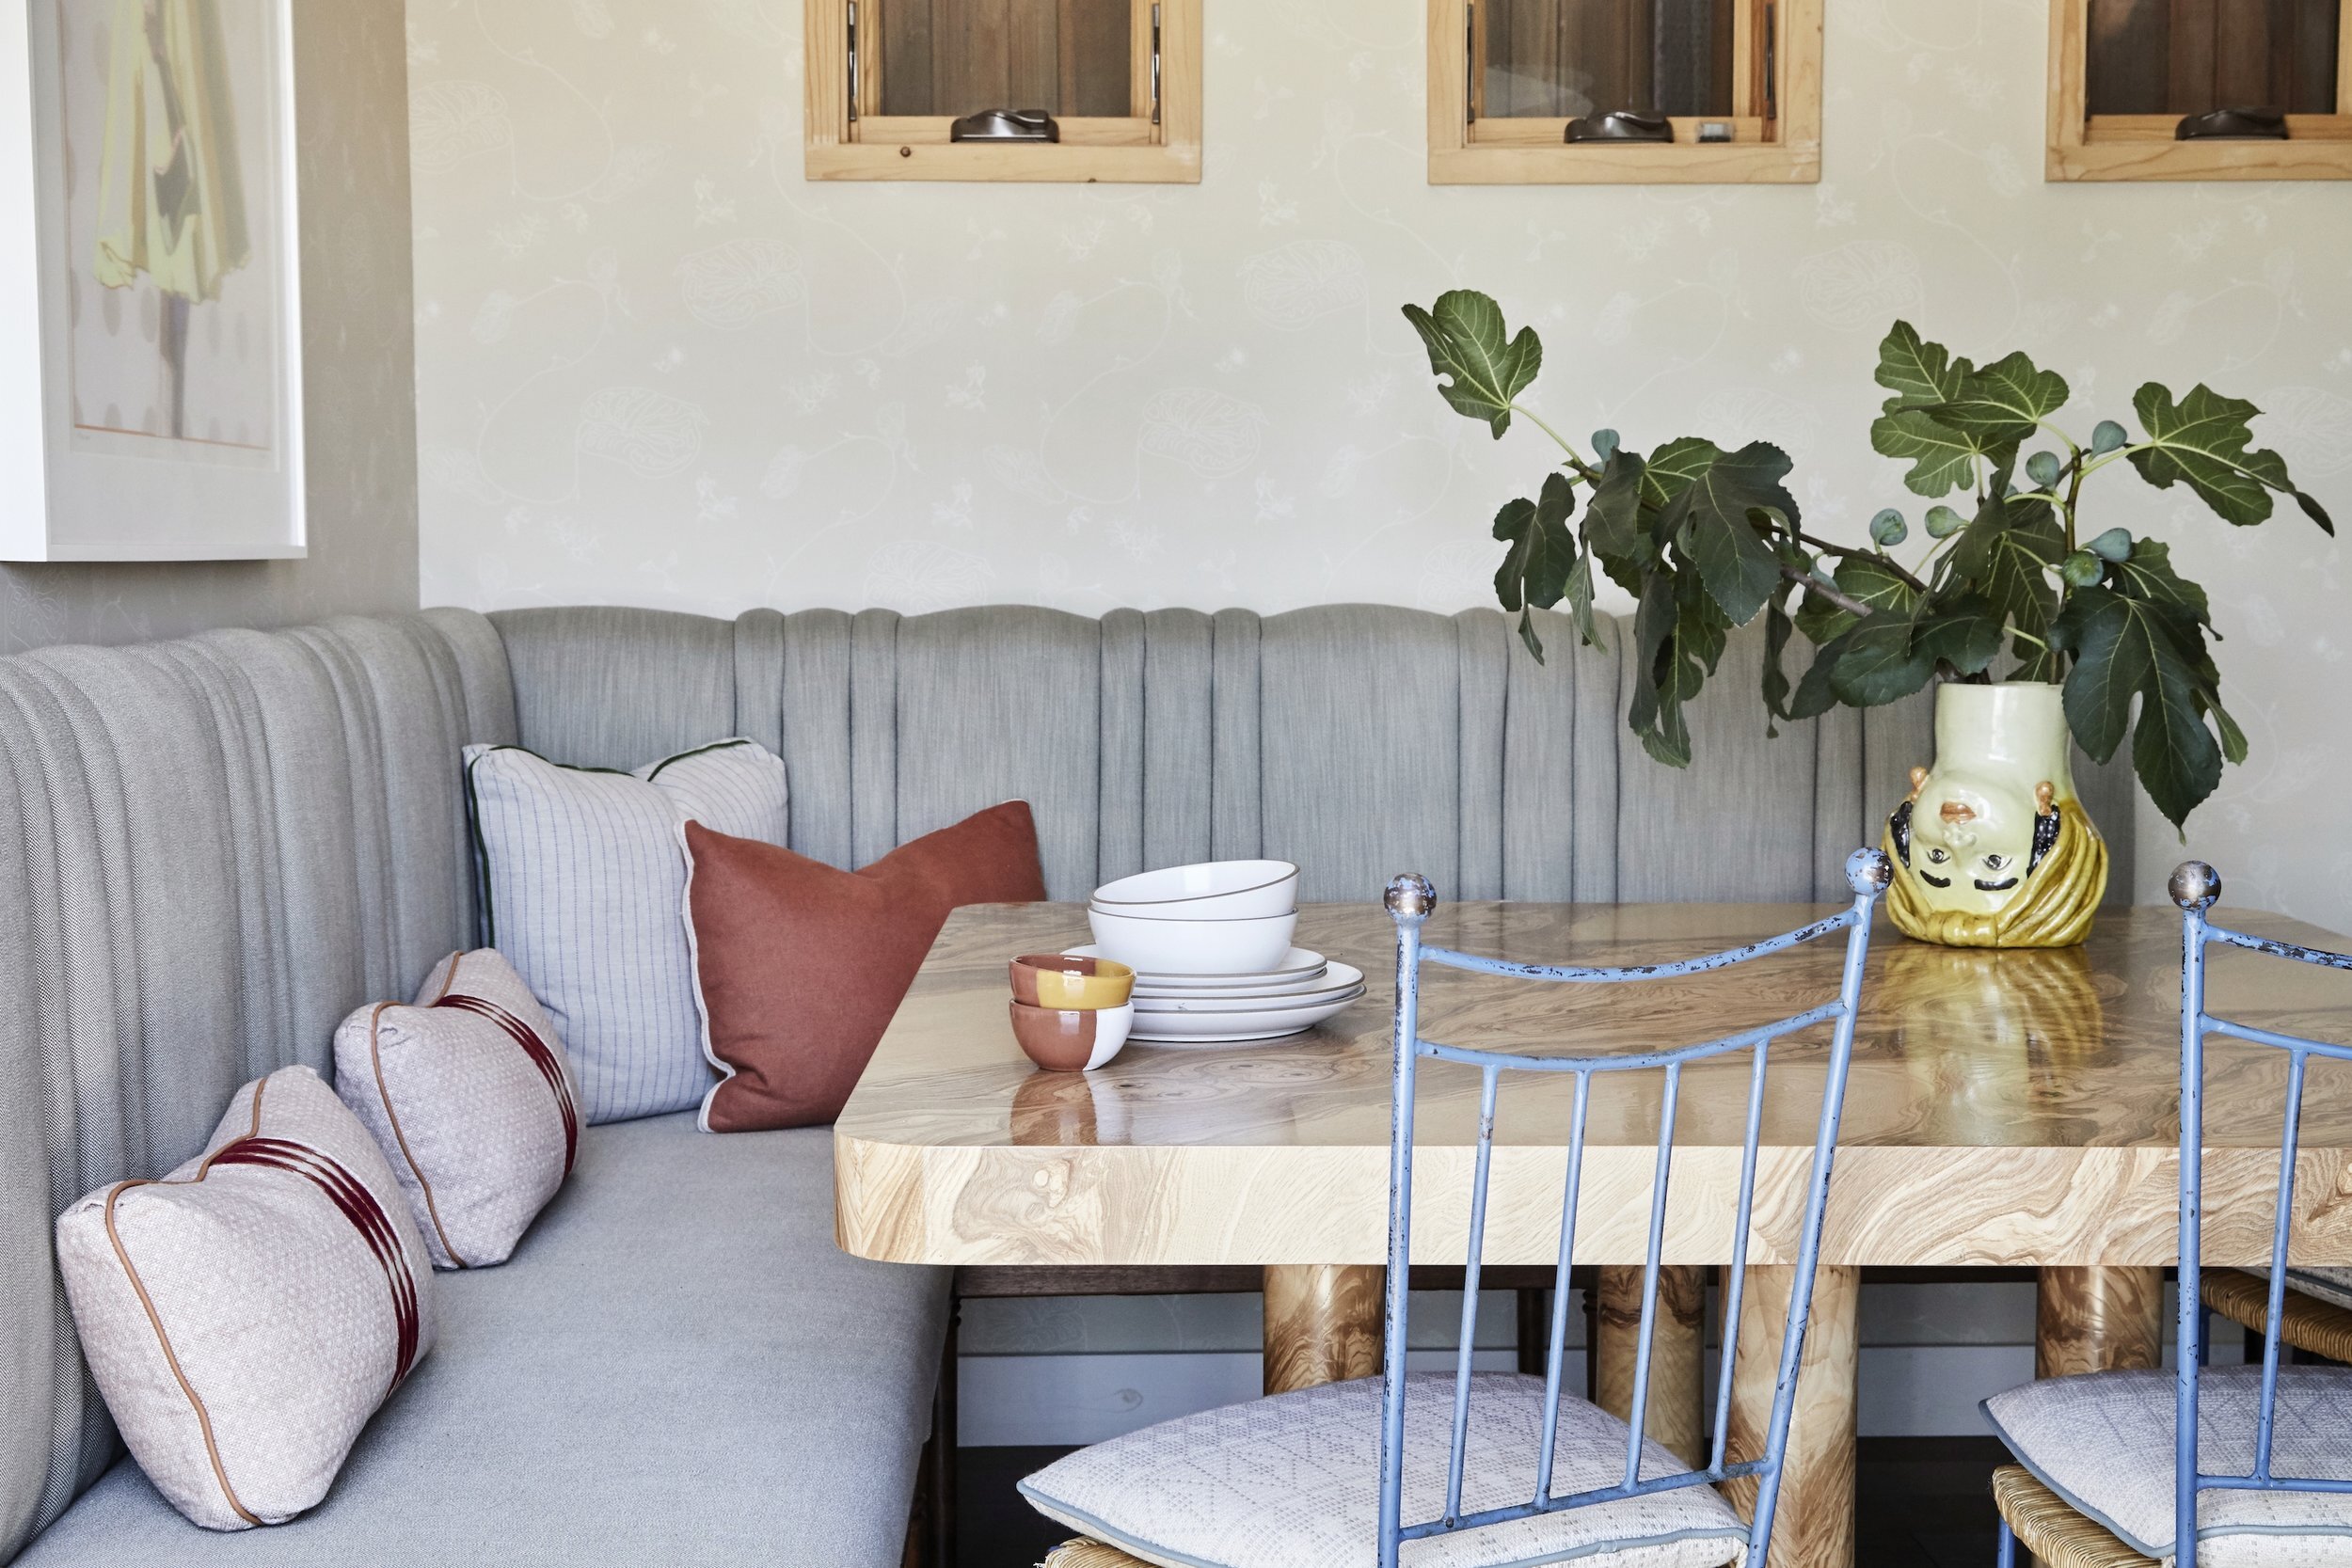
<point x="358" y="404"/>
<point x="655" y="366"/>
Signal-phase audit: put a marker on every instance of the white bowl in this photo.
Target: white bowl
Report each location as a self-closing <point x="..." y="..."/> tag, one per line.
<point x="1194" y="946"/>
<point x="1215" y="890"/>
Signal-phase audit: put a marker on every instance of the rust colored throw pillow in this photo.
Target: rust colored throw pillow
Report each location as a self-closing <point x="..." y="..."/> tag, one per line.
<point x="800" y="966"/>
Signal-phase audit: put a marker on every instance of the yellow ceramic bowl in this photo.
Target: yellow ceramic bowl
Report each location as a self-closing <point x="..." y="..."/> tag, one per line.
<point x="1062" y="983"/>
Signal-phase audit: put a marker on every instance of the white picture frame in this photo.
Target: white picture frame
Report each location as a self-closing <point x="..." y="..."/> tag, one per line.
<point x="150" y="409"/>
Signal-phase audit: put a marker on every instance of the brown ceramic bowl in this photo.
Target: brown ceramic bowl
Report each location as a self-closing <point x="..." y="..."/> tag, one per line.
<point x="1066" y="982"/>
<point x="1071" y="1039"/>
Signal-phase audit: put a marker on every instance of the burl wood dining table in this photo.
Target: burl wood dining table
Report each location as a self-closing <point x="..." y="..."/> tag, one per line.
<point x="2005" y="1109"/>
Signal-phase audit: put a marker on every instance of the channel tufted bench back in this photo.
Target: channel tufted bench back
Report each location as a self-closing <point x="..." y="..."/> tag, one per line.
<point x="210" y="851"/>
<point x="213" y="850"/>
<point x="1358" y="740"/>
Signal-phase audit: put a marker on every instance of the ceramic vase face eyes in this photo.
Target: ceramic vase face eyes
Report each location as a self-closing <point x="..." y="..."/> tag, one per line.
<point x="1992" y="849"/>
<point x="1972" y="838"/>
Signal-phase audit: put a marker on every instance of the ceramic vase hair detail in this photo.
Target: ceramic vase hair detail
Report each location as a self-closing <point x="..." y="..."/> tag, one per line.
<point x="1992" y="849"/>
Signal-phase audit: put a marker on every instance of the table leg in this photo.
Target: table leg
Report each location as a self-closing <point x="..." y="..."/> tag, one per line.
<point x="2097" y="1319"/>
<point x="1677" y="1346"/>
<point x="1813" y="1525"/>
<point x="1323" y="1323"/>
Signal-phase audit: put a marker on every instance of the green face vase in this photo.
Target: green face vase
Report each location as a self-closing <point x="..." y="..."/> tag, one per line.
<point x="1992" y="847"/>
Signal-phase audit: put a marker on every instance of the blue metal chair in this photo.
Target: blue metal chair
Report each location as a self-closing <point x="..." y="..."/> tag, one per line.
<point x="2091" y="1486"/>
<point x="1257" y="1485"/>
<point x="1411" y="901"/>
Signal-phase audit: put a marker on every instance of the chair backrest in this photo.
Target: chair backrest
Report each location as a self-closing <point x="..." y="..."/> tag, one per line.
<point x="2196" y="887"/>
<point x="1410" y="902"/>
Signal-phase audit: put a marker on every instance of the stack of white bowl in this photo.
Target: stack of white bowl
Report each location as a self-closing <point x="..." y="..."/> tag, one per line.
<point x="1211" y="948"/>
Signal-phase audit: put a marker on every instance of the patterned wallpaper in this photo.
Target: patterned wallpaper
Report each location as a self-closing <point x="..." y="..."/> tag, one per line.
<point x="358" y="349"/>
<point x="656" y="366"/>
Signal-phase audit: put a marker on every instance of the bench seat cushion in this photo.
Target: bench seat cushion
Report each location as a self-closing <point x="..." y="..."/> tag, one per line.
<point x="677" y="1365"/>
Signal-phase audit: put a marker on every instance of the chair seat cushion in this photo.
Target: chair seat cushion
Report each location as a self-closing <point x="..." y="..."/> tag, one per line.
<point x="1294" y="1481"/>
<point x="677" y="1366"/>
<point x="2103" y="1443"/>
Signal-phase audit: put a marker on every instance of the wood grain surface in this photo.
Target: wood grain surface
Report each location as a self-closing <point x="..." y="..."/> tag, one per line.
<point x="1323" y="1325"/>
<point x="2005" y="1107"/>
<point x="1678" y="1349"/>
<point x="1813" y="1523"/>
<point x="2098" y="1320"/>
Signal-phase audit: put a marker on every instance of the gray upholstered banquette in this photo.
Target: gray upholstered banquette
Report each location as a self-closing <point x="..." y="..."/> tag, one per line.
<point x="212" y="849"/>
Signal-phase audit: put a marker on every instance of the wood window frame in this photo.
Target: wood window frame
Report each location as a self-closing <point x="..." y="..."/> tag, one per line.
<point x="870" y="145"/>
<point x="2083" y="146"/>
<point x="1777" y="119"/>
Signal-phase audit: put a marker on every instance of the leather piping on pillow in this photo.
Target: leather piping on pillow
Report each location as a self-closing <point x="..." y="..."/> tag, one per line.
<point x="692" y="751"/>
<point x="171" y="1357"/>
<point x="349" y="1195"/>
<point x="541" y="1057"/>
<point x="156" y="1322"/>
<point x="702" y="1005"/>
<point x="375" y="1061"/>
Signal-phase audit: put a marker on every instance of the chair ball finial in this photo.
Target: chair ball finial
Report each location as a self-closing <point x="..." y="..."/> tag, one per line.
<point x="1870" y="871"/>
<point x="2195" y="885"/>
<point x="1411" y="895"/>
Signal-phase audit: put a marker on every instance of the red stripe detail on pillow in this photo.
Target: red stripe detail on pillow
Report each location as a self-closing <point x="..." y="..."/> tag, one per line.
<point x="367" y="1216"/>
<point x="541" y="1057"/>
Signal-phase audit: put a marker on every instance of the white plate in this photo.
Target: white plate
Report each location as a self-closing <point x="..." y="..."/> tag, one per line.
<point x="1188" y="1042"/>
<point x="1309" y="984"/>
<point x="1227" y="1007"/>
<point x="1265" y="1024"/>
<point x="1346" y="981"/>
<point x="1300" y="964"/>
<point x="1304" y="982"/>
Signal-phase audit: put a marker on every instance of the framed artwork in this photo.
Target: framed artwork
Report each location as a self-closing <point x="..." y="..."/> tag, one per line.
<point x="151" y="408"/>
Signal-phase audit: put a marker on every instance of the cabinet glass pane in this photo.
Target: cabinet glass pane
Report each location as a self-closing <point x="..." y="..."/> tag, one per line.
<point x="2190" y="57"/>
<point x="1558" y="58"/>
<point x="1069" y="58"/>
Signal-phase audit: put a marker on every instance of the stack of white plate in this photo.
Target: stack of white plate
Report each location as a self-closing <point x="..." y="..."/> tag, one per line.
<point x="1304" y="992"/>
<point x="1211" y="948"/>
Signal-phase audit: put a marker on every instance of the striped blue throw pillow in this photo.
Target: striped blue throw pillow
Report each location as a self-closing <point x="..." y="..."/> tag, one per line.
<point x="583" y="884"/>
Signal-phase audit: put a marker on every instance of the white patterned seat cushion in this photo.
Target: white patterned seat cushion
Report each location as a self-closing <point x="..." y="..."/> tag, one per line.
<point x="2103" y="1443"/>
<point x="2332" y="1286"/>
<point x="1294" y="1481"/>
<point x="246" y="1314"/>
<point x="585" y="884"/>
<point x="471" y="1098"/>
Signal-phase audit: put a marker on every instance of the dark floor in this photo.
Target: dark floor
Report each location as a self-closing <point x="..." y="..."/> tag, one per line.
<point x="1925" y="1502"/>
